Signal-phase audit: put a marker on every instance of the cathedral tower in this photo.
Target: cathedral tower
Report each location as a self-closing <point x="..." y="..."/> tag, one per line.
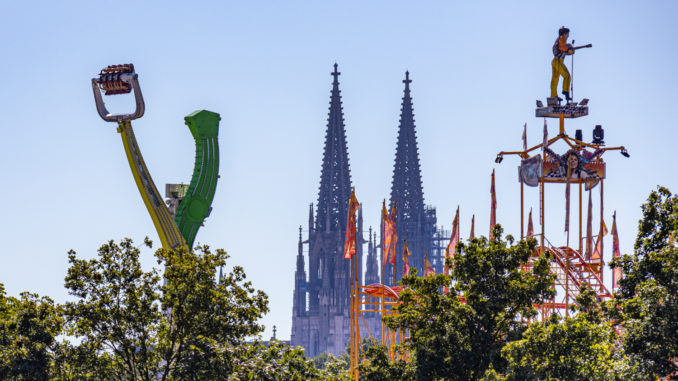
<point x="322" y="325"/>
<point x="415" y="221"/>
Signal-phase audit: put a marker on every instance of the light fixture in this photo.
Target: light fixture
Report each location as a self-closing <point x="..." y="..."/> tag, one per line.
<point x="584" y="102"/>
<point x="625" y="153"/>
<point x="598" y="135"/>
<point x="499" y="159"/>
<point x="578" y="135"/>
<point x="539" y="104"/>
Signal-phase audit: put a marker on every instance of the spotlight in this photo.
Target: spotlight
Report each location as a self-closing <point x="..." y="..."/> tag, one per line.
<point x="584" y="102"/>
<point x="598" y="135"/>
<point x="625" y="153"/>
<point x="539" y="104"/>
<point x="499" y="159"/>
<point x="578" y="135"/>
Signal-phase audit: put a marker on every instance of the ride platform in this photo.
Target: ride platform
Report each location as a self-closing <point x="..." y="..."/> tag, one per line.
<point x="554" y="109"/>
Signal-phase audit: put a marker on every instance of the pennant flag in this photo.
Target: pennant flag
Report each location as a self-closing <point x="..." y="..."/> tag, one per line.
<point x="493" y="207"/>
<point x="589" y="230"/>
<point x="473" y="227"/>
<point x="387" y="234"/>
<point x="598" y="251"/>
<point x="350" y="241"/>
<point x="454" y="238"/>
<point x="530" y="227"/>
<point x="616" y="273"/>
<point x="545" y="143"/>
<point x="525" y="137"/>
<point x="406" y="259"/>
<point x="428" y="267"/>
<point x="390" y="236"/>
<point x="394" y="236"/>
<point x="604" y="229"/>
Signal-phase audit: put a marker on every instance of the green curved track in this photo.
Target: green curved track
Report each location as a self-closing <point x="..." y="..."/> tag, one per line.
<point x="196" y="206"/>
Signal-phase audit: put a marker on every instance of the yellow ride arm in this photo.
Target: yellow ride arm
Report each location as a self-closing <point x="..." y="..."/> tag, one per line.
<point x="170" y="237"/>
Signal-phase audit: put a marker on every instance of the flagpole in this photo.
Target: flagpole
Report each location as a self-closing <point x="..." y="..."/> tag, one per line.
<point x="602" y="222"/>
<point x="356" y="324"/>
<point x="383" y="331"/>
<point x="522" y="222"/>
<point x="352" y="307"/>
<point x="580" y="220"/>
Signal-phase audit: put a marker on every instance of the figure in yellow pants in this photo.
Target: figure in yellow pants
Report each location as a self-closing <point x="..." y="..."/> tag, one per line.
<point x="561" y="49"/>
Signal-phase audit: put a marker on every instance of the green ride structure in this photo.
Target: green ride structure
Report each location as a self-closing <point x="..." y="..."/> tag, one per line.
<point x="195" y="204"/>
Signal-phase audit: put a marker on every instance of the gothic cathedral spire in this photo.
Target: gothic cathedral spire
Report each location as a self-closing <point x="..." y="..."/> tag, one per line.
<point x="335" y="178"/>
<point x="413" y="219"/>
<point x="322" y="324"/>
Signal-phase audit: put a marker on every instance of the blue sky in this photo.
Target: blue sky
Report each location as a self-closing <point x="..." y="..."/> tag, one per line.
<point x="477" y="68"/>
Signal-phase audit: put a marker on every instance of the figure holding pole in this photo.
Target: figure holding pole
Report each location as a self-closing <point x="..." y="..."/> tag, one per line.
<point x="561" y="49"/>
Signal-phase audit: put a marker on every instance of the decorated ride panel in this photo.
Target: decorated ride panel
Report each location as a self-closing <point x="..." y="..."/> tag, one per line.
<point x="573" y="166"/>
<point x="570" y="110"/>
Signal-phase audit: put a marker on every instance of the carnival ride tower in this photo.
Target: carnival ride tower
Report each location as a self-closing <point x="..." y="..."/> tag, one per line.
<point x="177" y="225"/>
<point x="579" y="262"/>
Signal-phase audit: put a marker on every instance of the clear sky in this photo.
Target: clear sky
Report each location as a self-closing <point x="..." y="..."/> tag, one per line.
<point x="477" y="68"/>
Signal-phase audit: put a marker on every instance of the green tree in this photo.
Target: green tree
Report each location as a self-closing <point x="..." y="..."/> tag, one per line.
<point x="583" y="347"/>
<point x="646" y="303"/>
<point x="80" y="362"/>
<point x="183" y="326"/>
<point x="458" y="336"/>
<point x="376" y="366"/>
<point x="117" y="312"/>
<point x="275" y="361"/>
<point x="336" y="366"/>
<point x="28" y="327"/>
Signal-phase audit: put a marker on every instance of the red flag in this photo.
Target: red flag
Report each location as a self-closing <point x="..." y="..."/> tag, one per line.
<point x="386" y="234"/>
<point x="473" y="225"/>
<point x="545" y="143"/>
<point x="350" y="241"/>
<point x="454" y="238"/>
<point x="406" y="259"/>
<point x="428" y="267"/>
<point x="616" y="273"/>
<point x="530" y="227"/>
<point x="589" y="229"/>
<point x="525" y="137"/>
<point x="493" y="207"/>
<point x="598" y="251"/>
<point x="390" y="237"/>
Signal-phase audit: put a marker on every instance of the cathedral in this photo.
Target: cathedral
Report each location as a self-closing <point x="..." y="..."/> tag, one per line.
<point x="320" y="308"/>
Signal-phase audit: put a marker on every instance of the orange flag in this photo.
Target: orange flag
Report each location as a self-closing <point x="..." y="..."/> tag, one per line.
<point x="473" y="226"/>
<point x="350" y="241"/>
<point x="406" y="259"/>
<point x="389" y="237"/>
<point x="386" y="234"/>
<point x="616" y="273"/>
<point x="530" y="226"/>
<point x="598" y="251"/>
<point x="428" y="267"/>
<point x="493" y="207"/>
<point x="454" y="238"/>
<point x="394" y="238"/>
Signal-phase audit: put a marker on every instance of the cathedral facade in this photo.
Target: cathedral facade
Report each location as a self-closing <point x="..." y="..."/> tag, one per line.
<point x="320" y="310"/>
